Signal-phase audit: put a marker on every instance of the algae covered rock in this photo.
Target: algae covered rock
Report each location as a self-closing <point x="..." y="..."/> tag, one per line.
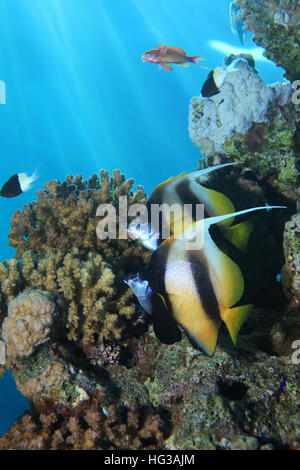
<point x="276" y="28"/>
<point x="253" y="123"/>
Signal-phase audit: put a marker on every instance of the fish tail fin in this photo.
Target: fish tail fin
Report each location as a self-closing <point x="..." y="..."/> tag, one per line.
<point x="239" y="234"/>
<point x="26" y="181"/>
<point x="196" y="60"/>
<point x="234" y="319"/>
<point x="216" y="220"/>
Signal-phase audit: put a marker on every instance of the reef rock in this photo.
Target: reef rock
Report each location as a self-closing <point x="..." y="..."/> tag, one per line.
<point x="250" y="122"/>
<point x="244" y="99"/>
<point x="291" y="269"/>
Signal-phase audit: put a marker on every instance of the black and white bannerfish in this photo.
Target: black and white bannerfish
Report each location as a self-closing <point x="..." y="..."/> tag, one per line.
<point x="237" y="26"/>
<point x="216" y="79"/>
<point x="17" y="184"/>
<point x="185" y="192"/>
<point x="194" y="288"/>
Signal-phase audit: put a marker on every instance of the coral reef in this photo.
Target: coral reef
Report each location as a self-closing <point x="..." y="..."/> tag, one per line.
<point x="94" y="424"/>
<point x="62" y="298"/>
<point x="94" y="373"/>
<point x="291" y="269"/>
<point x="250" y="122"/>
<point x="276" y="28"/>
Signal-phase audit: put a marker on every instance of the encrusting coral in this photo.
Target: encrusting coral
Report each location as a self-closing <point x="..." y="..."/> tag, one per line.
<point x="275" y="24"/>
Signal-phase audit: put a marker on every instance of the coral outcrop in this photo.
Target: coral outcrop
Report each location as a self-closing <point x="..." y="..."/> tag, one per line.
<point x="250" y="122"/>
<point x="63" y="301"/>
<point x="275" y="24"/>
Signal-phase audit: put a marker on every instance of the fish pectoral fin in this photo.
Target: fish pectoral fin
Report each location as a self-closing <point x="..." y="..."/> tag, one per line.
<point x="234" y="318"/>
<point x="165" y="66"/>
<point x="239" y="234"/>
<point x="164" y="325"/>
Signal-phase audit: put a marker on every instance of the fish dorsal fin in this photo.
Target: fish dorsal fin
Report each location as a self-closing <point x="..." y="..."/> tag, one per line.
<point x="216" y="220"/>
<point x="177" y="49"/>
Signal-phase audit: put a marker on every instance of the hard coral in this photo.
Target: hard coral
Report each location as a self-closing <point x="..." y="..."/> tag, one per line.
<point x="29" y="322"/>
<point x="94" y="424"/>
<point x="61" y="260"/>
<point x="64" y="216"/>
<point x="275" y="24"/>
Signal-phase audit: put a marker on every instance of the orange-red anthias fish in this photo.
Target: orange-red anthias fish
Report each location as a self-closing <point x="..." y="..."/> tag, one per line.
<point x="165" y="55"/>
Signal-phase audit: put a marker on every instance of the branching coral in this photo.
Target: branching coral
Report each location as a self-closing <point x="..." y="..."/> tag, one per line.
<point x="64" y="216"/>
<point x="93" y="424"/>
<point x="275" y="24"/>
<point x="62" y="298"/>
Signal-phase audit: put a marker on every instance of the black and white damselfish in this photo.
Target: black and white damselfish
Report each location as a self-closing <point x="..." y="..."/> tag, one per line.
<point x="17" y="184"/>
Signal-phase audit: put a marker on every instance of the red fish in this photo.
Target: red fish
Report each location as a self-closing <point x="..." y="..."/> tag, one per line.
<point x="164" y="55"/>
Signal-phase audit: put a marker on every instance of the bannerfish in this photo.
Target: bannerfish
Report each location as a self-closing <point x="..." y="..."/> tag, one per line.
<point x="184" y="192"/>
<point x="199" y="288"/>
<point x="18" y="184"/>
<point x="216" y="79"/>
<point x="165" y="55"/>
<point x="237" y="26"/>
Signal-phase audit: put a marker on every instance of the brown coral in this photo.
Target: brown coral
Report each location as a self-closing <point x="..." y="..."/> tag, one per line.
<point x="94" y="424"/>
<point x="28" y="323"/>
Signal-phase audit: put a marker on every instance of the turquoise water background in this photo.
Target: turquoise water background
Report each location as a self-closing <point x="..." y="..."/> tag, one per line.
<point x="79" y="98"/>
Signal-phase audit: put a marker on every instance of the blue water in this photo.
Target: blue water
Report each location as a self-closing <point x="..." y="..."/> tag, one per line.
<point x="79" y="98"/>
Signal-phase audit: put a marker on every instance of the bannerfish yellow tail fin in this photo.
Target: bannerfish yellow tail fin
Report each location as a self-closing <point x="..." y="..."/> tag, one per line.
<point x="239" y="234"/>
<point x="234" y="318"/>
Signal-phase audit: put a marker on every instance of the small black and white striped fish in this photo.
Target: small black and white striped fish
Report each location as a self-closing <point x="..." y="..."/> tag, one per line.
<point x="196" y="289"/>
<point x="17" y="184"/>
